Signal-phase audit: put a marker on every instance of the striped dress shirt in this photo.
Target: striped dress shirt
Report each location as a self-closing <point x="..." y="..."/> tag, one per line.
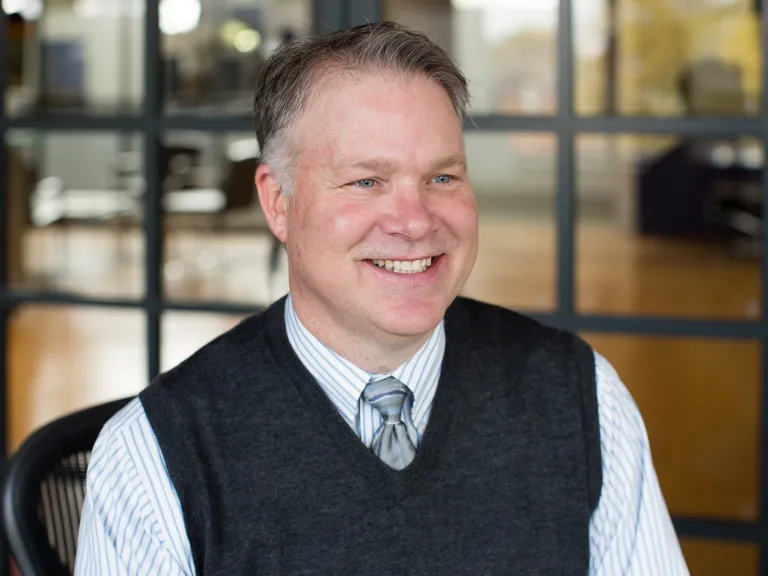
<point x="132" y="519"/>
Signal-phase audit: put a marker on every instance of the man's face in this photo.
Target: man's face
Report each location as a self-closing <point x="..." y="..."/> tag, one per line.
<point x="381" y="229"/>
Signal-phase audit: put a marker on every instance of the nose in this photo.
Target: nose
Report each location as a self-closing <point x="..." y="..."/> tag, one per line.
<point x="410" y="216"/>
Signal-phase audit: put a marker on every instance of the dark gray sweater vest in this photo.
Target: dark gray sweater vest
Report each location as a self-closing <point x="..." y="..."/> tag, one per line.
<point x="273" y="481"/>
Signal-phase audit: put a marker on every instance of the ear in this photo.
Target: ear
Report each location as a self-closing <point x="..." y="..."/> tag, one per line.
<point x="273" y="203"/>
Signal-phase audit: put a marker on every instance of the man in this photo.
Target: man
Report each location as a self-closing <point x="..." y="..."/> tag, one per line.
<point x="373" y="420"/>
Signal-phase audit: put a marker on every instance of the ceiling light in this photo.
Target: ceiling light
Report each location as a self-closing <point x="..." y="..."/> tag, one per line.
<point x="179" y="16"/>
<point x="27" y="9"/>
<point x="247" y="40"/>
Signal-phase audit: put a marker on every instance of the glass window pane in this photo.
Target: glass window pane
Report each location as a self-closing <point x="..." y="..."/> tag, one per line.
<point x="715" y="558"/>
<point x="692" y="58"/>
<point x="74" y="213"/>
<point x="81" y="55"/>
<point x="507" y="50"/>
<point x="217" y="242"/>
<point x="183" y="333"/>
<point x="669" y="226"/>
<point x="513" y="175"/>
<point x="214" y="49"/>
<point x="63" y="359"/>
<point x="700" y="399"/>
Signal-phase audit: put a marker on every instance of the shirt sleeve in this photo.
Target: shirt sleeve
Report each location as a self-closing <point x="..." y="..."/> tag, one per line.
<point x="132" y="522"/>
<point x="631" y="533"/>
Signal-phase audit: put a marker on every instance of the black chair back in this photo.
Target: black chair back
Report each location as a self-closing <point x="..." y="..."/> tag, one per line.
<point x="44" y="488"/>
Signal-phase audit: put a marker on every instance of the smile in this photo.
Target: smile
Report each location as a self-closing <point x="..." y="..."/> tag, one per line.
<point x="404" y="266"/>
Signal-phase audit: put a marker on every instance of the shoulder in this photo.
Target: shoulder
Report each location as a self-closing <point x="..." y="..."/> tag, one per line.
<point x="116" y="432"/>
<point x="125" y="442"/>
<point x="221" y="360"/>
<point x="490" y="326"/>
<point x="632" y="524"/>
<point x="622" y="429"/>
<point x="127" y="456"/>
<point x="624" y="445"/>
<point x="204" y="390"/>
<point x="128" y="486"/>
<point x="539" y="365"/>
<point x="123" y="446"/>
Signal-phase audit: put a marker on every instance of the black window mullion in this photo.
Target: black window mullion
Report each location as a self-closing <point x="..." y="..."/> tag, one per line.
<point x="565" y="162"/>
<point x="691" y="126"/>
<point x="4" y="308"/>
<point x="153" y="240"/>
<point x="734" y="531"/>
<point x="328" y="15"/>
<point x="4" y="200"/>
<point x="362" y="12"/>
<point x="763" y="444"/>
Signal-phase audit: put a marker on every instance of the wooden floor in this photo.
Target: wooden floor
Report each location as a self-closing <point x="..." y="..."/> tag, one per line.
<point x="700" y="397"/>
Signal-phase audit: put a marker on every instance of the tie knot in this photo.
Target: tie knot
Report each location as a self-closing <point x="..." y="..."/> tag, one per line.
<point x="387" y="396"/>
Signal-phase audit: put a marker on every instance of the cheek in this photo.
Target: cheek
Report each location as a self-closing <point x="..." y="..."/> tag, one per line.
<point x="468" y="213"/>
<point x="460" y="216"/>
<point x="332" y="225"/>
<point x="349" y="222"/>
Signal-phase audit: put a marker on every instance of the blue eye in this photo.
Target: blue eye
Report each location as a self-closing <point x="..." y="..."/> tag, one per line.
<point x="443" y="179"/>
<point x="366" y="183"/>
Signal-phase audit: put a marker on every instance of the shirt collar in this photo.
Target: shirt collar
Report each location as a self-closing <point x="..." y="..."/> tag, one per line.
<point x="347" y="380"/>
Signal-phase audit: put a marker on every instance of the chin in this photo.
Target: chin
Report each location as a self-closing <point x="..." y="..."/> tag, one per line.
<point x="411" y="320"/>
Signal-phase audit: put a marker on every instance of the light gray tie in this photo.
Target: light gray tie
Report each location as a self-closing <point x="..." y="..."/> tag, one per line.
<point x="392" y="442"/>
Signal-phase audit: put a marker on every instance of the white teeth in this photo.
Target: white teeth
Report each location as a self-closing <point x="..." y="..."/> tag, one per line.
<point x="404" y="266"/>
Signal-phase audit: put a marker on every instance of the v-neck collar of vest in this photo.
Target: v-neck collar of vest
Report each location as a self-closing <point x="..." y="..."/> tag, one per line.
<point x="388" y="483"/>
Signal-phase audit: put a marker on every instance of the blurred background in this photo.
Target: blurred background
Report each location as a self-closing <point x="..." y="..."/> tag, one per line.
<point x="617" y="153"/>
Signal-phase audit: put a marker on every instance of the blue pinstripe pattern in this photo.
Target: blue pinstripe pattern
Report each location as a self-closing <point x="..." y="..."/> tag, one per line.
<point x="132" y="519"/>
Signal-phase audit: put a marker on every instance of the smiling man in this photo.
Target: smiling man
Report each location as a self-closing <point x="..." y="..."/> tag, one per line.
<point x="373" y="419"/>
<point x="379" y="221"/>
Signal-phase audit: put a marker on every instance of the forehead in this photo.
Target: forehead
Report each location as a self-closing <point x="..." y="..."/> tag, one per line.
<point x="379" y="114"/>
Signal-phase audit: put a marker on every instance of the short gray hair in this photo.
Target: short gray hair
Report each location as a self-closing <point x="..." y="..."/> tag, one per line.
<point x="295" y="70"/>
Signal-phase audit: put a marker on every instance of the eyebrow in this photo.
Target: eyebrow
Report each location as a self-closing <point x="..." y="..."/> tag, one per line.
<point x="372" y="165"/>
<point x="377" y="165"/>
<point x="453" y="161"/>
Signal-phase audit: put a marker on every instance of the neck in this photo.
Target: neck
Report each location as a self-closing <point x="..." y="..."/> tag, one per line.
<point x="377" y="353"/>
